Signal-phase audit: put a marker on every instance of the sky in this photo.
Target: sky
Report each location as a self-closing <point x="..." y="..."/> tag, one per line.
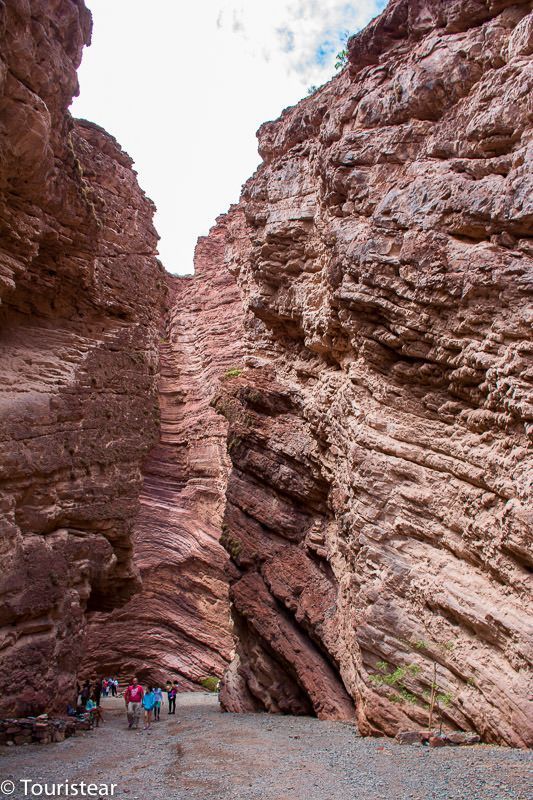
<point x="183" y="86"/>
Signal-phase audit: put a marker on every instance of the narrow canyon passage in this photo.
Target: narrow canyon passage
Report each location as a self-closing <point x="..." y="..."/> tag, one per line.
<point x="182" y="613"/>
<point x="205" y="755"/>
<point x="305" y="469"/>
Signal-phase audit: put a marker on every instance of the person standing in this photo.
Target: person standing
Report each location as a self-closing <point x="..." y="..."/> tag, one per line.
<point x="172" y="699"/>
<point x="133" y="697"/>
<point x="148" y="702"/>
<point x="97" y="691"/>
<point x="171" y="695"/>
<point x="114" y="686"/>
<point x="158" y="694"/>
<point x="85" y="693"/>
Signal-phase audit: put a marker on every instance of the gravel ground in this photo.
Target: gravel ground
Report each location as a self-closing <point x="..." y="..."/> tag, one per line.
<point x="201" y="754"/>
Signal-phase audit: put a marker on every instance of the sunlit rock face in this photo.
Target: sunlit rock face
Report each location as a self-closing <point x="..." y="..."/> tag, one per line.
<point x="377" y="508"/>
<point x="81" y="295"/>
<point x="181" y="619"/>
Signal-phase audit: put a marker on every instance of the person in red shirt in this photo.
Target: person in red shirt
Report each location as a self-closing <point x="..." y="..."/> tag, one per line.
<point x="133" y="698"/>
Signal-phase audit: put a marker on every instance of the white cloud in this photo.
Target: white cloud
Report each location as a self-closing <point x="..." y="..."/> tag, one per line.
<point x="184" y="87"/>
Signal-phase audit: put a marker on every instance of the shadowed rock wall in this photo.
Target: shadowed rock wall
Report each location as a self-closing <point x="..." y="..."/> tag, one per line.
<point x="81" y="296"/>
<point x="378" y="506"/>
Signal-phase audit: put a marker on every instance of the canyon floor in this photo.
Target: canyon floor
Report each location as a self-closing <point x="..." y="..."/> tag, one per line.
<point x="202" y="754"/>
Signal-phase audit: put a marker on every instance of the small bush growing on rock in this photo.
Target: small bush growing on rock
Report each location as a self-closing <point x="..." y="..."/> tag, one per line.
<point x="210" y="683"/>
<point x="231" y="545"/>
<point x="234" y="372"/>
<point x="342" y="55"/>
<point x="435" y="699"/>
<point x="86" y="190"/>
<point x="342" y="59"/>
<point x="395" y="679"/>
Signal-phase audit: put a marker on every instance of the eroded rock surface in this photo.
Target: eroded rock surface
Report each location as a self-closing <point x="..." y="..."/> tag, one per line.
<point x="378" y="502"/>
<point x="178" y="627"/>
<point x="81" y="295"/>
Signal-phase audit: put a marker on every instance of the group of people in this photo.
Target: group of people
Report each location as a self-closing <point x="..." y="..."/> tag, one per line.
<point x="136" y="698"/>
<point x="95" y="689"/>
<point x="109" y="687"/>
<point x="87" y="701"/>
<point x="149" y="701"/>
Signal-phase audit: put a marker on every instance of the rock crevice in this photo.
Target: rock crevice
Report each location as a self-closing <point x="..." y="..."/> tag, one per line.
<point x="181" y="617"/>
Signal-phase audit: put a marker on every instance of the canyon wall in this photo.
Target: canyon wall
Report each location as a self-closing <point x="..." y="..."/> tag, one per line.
<point x="178" y="627"/>
<point x="81" y="296"/>
<point x="374" y="282"/>
<point x="377" y="508"/>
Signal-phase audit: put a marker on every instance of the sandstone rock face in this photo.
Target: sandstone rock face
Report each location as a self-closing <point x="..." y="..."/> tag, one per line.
<point x="81" y="295"/>
<point x="178" y="627"/>
<point x="377" y="508"/>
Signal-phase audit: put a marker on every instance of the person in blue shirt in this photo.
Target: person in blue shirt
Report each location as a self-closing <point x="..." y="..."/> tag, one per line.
<point x="94" y="710"/>
<point x="158" y="694"/>
<point x="148" y="702"/>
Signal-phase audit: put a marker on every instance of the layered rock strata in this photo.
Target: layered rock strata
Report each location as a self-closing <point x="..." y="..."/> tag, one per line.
<point x="378" y="500"/>
<point x="82" y="294"/>
<point x="178" y="627"/>
<point x="378" y="505"/>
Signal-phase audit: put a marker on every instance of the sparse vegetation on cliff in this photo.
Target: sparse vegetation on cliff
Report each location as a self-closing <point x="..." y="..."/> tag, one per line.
<point x="341" y="59"/>
<point x="234" y="372"/>
<point x="210" y="683"/>
<point x="433" y="699"/>
<point x="85" y="189"/>
<point x="231" y="545"/>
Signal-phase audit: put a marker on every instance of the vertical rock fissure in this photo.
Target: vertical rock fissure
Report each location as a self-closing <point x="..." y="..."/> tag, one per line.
<point x="182" y="612"/>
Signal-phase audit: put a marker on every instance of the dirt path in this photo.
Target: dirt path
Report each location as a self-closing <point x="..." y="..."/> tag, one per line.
<point x="202" y="754"/>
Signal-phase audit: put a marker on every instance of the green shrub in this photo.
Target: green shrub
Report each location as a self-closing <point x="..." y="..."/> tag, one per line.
<point x="234" y="372"/>
<point x="210" y="683"/>
<point x="385" y="678"/>
<point x="342" y="55"/>
<point x="342" y="59"/>
<point x="434" y="698"/>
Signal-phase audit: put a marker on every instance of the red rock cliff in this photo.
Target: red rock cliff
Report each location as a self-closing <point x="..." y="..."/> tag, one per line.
<point x="178" y="627"/>
<point x="377" y="505"/>
<point x="81" y="295"/>
<point x="377" y="508"/>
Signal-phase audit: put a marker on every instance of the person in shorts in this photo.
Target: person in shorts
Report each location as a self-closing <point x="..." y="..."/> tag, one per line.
<point x="133" y="697"/>
<point x="158" y="694"/>
<point x="148" y="703"/>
